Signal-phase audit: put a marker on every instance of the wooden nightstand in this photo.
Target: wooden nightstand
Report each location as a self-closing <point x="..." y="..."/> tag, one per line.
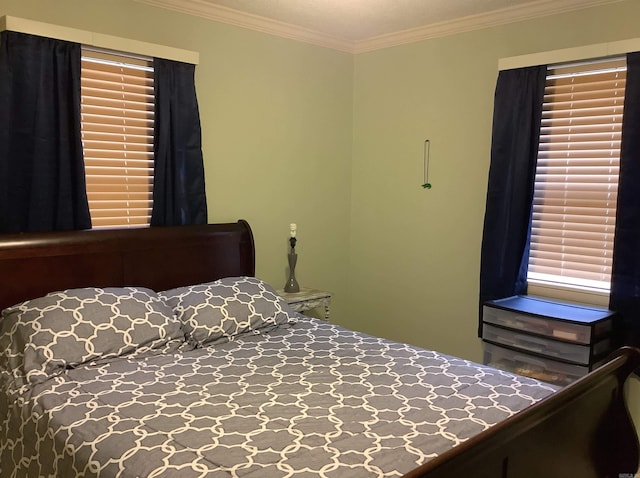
<point x="308" y="299"/>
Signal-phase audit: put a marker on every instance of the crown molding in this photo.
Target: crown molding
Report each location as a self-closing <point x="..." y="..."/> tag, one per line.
<point x="250" y="21"/>
<point x="517" y="13"/>
<point x="503" y="16"/>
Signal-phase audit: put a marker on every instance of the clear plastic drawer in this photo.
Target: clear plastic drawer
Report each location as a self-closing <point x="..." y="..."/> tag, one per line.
<point x="550" y="327"/>
<point x="548" y="347"/>
<point x="520" y="363"/>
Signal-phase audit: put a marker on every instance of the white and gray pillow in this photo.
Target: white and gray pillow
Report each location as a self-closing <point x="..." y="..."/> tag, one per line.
<point x="41" y="338"/>
<point x="216" y="312"/>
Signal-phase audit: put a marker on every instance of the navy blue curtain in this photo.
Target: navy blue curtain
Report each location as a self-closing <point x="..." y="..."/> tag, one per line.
<point x="517" y="116"/>
<point x="179" y="188"/>
<point x="625" y="277"/>
<point x="42" y="181"/>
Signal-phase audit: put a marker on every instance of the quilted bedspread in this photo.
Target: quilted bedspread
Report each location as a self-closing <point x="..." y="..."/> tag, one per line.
<point x="310" y="399"/>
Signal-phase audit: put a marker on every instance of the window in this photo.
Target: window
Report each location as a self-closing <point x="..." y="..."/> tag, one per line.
<point x="576" y="182"/>
<point x="117" y="136"/>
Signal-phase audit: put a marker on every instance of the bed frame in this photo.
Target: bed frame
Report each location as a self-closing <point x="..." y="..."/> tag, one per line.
<point x="583" y="430"/>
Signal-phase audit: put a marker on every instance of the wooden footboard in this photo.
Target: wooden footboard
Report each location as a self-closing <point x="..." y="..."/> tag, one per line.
<point x="584" y="430"/>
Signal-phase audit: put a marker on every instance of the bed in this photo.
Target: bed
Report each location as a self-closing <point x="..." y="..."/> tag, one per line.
<point x="156" y="352"/>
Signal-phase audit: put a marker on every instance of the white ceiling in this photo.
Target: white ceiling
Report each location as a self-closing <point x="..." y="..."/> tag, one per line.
<point x="362" y="25"/>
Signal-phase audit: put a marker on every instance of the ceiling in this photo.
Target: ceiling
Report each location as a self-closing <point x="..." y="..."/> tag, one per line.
<point x="364" y="25"/>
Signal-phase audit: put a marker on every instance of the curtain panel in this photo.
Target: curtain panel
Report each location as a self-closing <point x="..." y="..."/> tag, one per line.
<point x="625" y="276"/>
<point x="179" y="188"/>
<point x="42" y="180"/>
<point x="517" y="116"/>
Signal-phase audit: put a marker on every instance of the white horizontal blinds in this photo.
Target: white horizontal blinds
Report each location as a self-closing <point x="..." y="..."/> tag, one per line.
<point x="576" y="186"/>
<point x="117" y="135"/>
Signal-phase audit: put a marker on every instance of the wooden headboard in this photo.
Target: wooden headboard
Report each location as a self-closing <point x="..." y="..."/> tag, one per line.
<point x="160" y="258"/>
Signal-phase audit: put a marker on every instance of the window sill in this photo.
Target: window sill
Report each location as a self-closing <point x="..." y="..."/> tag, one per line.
<point x="576" y="295"/>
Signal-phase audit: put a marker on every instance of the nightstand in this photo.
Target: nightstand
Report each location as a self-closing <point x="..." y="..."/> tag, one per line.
<point x="308" y="299"/>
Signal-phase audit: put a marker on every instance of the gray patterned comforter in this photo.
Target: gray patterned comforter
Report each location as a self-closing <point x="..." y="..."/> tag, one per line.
<point x="310" y="399"/>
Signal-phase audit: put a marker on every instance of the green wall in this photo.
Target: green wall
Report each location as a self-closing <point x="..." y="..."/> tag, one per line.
<point x="276" y="123"/>
<point x="334" y="142"/>
<point x="415" y="253"/>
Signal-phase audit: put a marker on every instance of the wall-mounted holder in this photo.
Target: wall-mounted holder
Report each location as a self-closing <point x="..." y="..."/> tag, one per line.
<point x="426" y="154"/>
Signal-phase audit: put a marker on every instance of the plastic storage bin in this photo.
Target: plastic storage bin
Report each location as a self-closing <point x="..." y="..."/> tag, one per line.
<point x="547" y="340"/>
<point x="547" y="370"/>
<point x="575" y="323"/>
<point x="571" y="352"/>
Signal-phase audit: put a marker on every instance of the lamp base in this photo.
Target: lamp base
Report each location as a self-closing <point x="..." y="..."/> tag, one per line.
<point x="292" y="283"/>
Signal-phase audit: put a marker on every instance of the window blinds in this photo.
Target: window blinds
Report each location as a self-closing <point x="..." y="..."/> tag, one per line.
<point x="576" y="180"/>
<point x="117" y="134"/>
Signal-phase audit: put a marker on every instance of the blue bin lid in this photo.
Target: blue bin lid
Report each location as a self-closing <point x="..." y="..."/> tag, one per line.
<point x="582" y="314"/>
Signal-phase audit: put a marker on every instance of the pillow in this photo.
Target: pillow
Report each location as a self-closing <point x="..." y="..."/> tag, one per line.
<point x="218" y="311"/>
<point x="40" y="338"/>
